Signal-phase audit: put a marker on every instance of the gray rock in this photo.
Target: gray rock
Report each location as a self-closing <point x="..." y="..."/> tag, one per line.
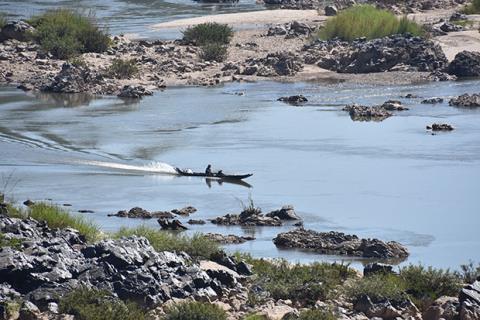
<point x="17" y="30"/>
<point x="134" y="92"/>
<point x="228" y="239"/>
<point x="171" y="225"/>
<point x="450" y="27"/>
<point x="366" y="113"/>
<point x="285" y="213"/>
<point x="331" y="11"/>
<point x="294" y="100"/>
<point x="440" y="127"/>
<point x="465" y="64"/>
<point x="432" y="101"/>
<point x="466" y="100"/>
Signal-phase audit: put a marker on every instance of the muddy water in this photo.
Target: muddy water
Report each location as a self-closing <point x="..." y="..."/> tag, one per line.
<point x="391" y="180"/>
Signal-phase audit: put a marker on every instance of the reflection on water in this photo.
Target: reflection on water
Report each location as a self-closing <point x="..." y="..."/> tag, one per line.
<point x="391" y="180"/>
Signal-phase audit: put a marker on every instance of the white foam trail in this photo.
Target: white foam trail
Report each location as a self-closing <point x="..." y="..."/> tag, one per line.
<point x="153" y="167"/>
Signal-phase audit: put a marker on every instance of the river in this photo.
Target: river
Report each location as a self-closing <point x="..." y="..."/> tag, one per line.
<point x="391" y="180"/>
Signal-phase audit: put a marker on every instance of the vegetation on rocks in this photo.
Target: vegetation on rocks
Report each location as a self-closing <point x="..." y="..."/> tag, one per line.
<point x="123" y="69"/>
<point x="369" y="22"/>
<point x="92" y="304"/>
<point x="473" y="8"/>
<point x="210" y="32"/>
<point x="65" y="33"/>
<point x="13" y="243"/>
<point x="470" y="272"/>
<point x="195" y="311"/>
<point x="3" y="20"/>
<point x="213" y="52"/>
<point x="378" y="287"/>
<point x="316" y="314"/>
<point x="196" y="246"/>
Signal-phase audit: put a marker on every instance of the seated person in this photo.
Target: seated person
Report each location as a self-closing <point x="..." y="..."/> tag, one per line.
<point x="208" y="171"/>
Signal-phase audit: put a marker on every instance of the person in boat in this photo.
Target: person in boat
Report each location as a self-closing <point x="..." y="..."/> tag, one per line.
<point x="220" y="173"/>
<point x="208" y="171"/>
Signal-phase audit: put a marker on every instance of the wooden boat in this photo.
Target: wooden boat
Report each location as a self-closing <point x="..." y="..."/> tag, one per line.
<point x="214" y="175"/>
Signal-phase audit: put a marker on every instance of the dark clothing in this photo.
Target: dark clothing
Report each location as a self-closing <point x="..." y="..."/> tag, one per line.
<point x="208" y="171"/>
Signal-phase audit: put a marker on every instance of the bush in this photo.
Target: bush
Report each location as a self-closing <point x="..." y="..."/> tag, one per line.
<point x="66" y="33"/>
<point x="472" y="8"/>
<point x="299" y="282"/>
<point x="316" y="314"/>
<point x="210" y="32"/>
<point x="56" y="217"/>
<point x="256" y="317"/>
<point x="196" y="246"/>
<point x="470" y="272"/>
<point x="425" y="285"/>
<point x="123" y="69"/>
<point x="378" y="287"/>
<point x="367" y="21"/>
<point x="213" y="52"/>
<point x="3" y="20"/>
<point x="93" y="304"/>
<point x="195" y="311"/>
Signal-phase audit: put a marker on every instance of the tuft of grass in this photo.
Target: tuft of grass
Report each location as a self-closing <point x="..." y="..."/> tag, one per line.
<point x="3" y="20"/>
<point x="213" y="52"/>
<point x="56" y="217"/>
<point x="303" y="283"/>
<point x="93" y="304"/>
<point x="196" y="246"/>
<point x="210" y="32"/>
<point x="195" y="311"/>
<point x="255" y="317"/>
<point x="78" y="62"/>
<point x="469" y="272"/>
<point x="12" y="243"/>
<point x="378" y="287"/>
<point x="316" y="314"/>
<point x="425" y="285"/>
<point x="123" y="69"/>
<point x="367" y="21"/>
<point x="472" y="8"/>
<point x="65" y="33"/>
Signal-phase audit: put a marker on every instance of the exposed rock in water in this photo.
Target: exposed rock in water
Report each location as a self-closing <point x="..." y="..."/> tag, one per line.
<point x="365" y="113"/>
<point x="285" y="213"/>
<point x="184" y="211"/>
<point x="465" y="64"/>
<point x="248" y="217"/>
<point x="52" y="262"/>
<point x="440" y="127"/>
<point x="193" y="221"/>
<point x="274" y="64"/>
<point x="71" y="79"/>
<point x="438" y="76"/>
<point x="228" y="239"/>
<point x="432" y="101"/>
<point x="134" y="92"/>
<point x="393" y="105"/>
<point x="294" y="100"/>
<point x="140" y="213"/>
<point x="17" y="30"/>
<point x="171" y="225"/>
<point x="378" y="55"/>
<point x="340" y="244"/>
<point x="466" y="100"/>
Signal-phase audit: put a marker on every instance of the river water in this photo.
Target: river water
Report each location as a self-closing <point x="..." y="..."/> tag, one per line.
<point x="391" y="180"/>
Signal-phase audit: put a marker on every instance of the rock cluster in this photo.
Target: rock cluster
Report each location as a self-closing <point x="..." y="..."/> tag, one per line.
<point x="465" y="64"/>
<point x="466" y="100"/>
<point x="294" y="100"/>
<point x="290" y="30"/>
<point x="174" y="224"/>
<point x="228" y="239"/>
<point x="469" y="299"/>
<point x="254" y="217"/>
<point x="16" y="30"/>
<point x="141" y="213"/>
<point x="274" y="64"/>
<point x="432" y="101"/>
<point x="387" y="309"/>
<point x="134" y="92"/>
<point x="366" y="113"/>
<point x="340" y="244"/>
<point x="72" y="79"/>
<point x="51" y="262"/>
<point x="378" y="55"/>
<point x="440" y="127"/>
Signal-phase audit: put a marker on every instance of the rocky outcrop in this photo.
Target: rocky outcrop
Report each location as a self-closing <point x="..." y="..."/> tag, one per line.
<point x="175" y="224"/>
<point x="366" y="113"/>
<point x="140" y="213"/>
<point x="72" y="79"/>
<point x="432" y="101"/>
<point x="250" y="220"/>
<point x="290" y="30"/>
<point x="331" y="11"/>
<point x="294" y="100"/>
<point x="442" y="308"/>
<point x="51" y="262"/>
<point x="466" y="100"/>
<point x="340" y="244"/>
<point x="387" y="309"/>
<point x="469" y="299"/>
<point x="228" y="239"/>
<point x="438" y="75"/>
<point x="186" y="211"/>
<point x="194" y="221"/>
<point x="16" y="30"/>
<point x="285" y="213"/>
<point x="274" y="64"/>
<point x="440" y="127"/>
<point x="465" y="64"/>
<point x="378" y="55"/>
<point x="393" y="105"/>
<point x="134" y="92"/>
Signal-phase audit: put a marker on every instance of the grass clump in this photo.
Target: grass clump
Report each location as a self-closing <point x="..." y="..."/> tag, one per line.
<point x="378" y="287"/>
<point x="472" y="8"/>
<point x="367" y="21"/>
<point x="3" y="20"/>
<point x="65" y="33"/>
<point x="469" y="272"/>
<point x="316" y="314"/>
<point x="13" y="243"/>
<point x="123" y="69"/>
<point x="93" y="304"/>
<point x="196" y="246"/>
<point x="195" y="311"/>
<point x="210" y="32"/>
<point x="301" y="283"/>
<point x="213" y="52"/>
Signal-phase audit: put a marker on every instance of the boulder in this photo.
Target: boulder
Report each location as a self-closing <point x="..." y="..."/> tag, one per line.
<point x="140" y="213"/>
<point x="293" y="100"/>
<point x="331" y="11"/>
<point x="171" y="225"/>
<point x="134" y="92"/>
<point x="465" y="64"/>
<point x="440" y="127"/>
<point x="340" y="244"/>
<point x="442" y="308"/>
<point x="466" y="100"/>
<point x="285" y="213"/>
<point x="184" y="211"/>
<point x="366" y="113"/>
<point x="17" y="30"/>
<point x="71" y="79"/>
<point x="432" y="101"/>
<point x="450" y="27"/>
<point x="469" y="299"/>
<point x="393" y="105"/>
<point x="193" y="221"/>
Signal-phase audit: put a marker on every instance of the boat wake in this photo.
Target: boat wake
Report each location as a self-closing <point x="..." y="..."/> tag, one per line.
<point x="153" y="167"/>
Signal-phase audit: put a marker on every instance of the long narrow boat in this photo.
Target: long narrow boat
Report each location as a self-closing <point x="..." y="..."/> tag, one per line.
<point x="213" y="175"/>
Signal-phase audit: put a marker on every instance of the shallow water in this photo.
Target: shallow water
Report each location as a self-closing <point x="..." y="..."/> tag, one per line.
<point x="391" y="180"/>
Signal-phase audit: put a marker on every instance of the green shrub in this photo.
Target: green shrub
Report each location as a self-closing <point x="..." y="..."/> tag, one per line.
<point x="56" y="217"/>
<point x="93" y="304"/>
<point x="196" y="246"/>
<point x="367" y="21"/>
<point x="78" y="62"/>
<point x="255" y="317"/>
<point x="66" y="33"/>
<point x="213" y="52"/>
<point x="195" y="311"/>
<point x="316" y="314"/>
<point x="123" y="69"/>
<point x="469" y="272"/>
<point x="210" y="32"/>
<point x="425" y="285"/>
<point x="305" y="283"/>
<point x="378" y="287"/>
<point x="3" y="20"/>
<point x="473" y="8"/>
<point x="12" y="243"/>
